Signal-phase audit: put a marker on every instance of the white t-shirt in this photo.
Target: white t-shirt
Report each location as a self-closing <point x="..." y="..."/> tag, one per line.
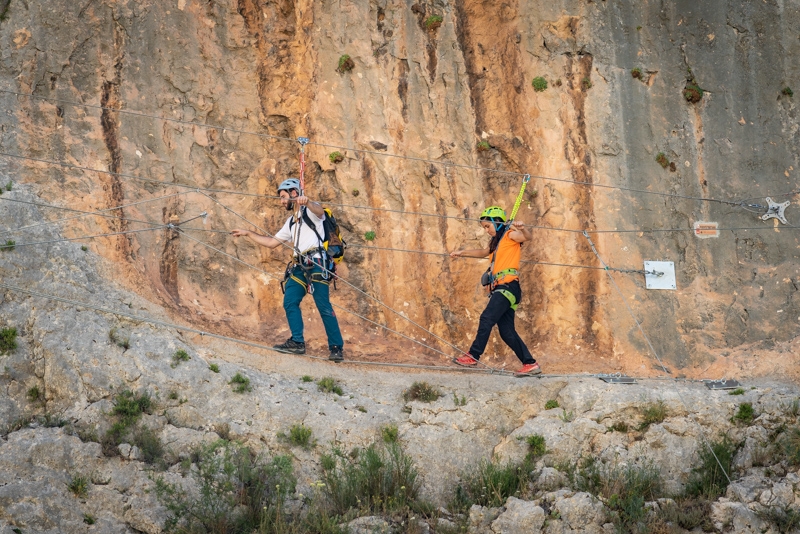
<point x="308" y="239"/>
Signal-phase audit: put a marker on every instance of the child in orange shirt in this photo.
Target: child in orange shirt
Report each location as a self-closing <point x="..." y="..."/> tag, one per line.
<point x="505" y="292"/>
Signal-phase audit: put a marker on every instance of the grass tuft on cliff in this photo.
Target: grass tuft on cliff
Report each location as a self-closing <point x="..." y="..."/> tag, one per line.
<point x="8" y="340"/>
<point x="421" y="391"/>
<point x="346" y="64"/>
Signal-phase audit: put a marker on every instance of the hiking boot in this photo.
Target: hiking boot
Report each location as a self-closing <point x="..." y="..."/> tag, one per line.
<point x="336" y="355"/>
<point x="529" y="369"/>
<point x="291" y="347"/>
<point x="466" y="360"/>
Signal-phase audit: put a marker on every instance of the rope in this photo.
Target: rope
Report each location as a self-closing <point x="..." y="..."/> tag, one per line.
<point x="66" y="239"/>
<point x="369" y="208"/>
<point x="123" y="175"/>
<point x="653" y="350"/>
<point x="445" y="164"/>
<point x="84" y="213"/>
<point x="530" y="262"/>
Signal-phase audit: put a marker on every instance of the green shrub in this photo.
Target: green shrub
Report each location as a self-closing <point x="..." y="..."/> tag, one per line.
<point x="390" y="434"/>
<point x="129" y="406"/>
<point x="369" y="235"/>
<point x="745" y="414"/>
<point x="536" y="446"/>
<point x="483" y="146"/>
<point x="421" y="391"/>
<point x="9" y="245"/>
<point x="491" y="483"/>
<point x="459" y="401"/>
<point x="240" y="383"/>
<point x="708" y="479"/>
<point x="150" y="446"/>
<point x="34" y="395"/>
<point x="223" y="430"/>
<point x="300" y="436"/>
<point x="179" y="356"/>
<point x="792" y="409"/>
<point x="213" y="367"/>
<point x="549" y="405"/>
<point x="785" y="519"/>
<point x="737" y="391"/>
<point x="539" y="84"/>
<point x="653" y="414"/>
<point x="307" y="378"/>
<point x="567" y="416"/>
<point x="380" y="478"/>
<point x="586" y="84"/>
<point x="662" y="160"/>
<point x="346" y="63"/>
<point x="88" y="519"/>
<point x="625" y="489"/>
<point x="688" y="514"/>
<point x="8" y="339"/>
<point x="237" y="491"/>
<point x="336" y="157"/>
<point x="52" y="421"/>
<point x="118" y="339"/>
<point x="433" y="22"/>
<point x="79" y="485"/>
<point x="17" y="424"/>
<point x="692" y="92"/>
<point x="785" y="91"/>
<point x="329" y="385"/>
<point x="636" y="73"/>
<point x="620" y="426"/>
<point x="789" y="443"/>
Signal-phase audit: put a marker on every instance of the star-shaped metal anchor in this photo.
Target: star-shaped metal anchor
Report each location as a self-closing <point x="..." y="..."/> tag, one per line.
<point x="776" y="211"/>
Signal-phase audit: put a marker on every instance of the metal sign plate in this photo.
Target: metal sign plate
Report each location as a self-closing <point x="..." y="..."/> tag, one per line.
<point x="722" y="384"/>
<point x="666" y="280"/>
<point x="706" y="230"/>
<point x="618" y="379"/>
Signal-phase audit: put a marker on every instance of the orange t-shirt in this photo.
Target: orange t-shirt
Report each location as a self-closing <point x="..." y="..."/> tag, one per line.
<point x="508" y="256"/>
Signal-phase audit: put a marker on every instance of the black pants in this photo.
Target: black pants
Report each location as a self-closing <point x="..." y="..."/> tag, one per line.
<point x="498" y="312"/>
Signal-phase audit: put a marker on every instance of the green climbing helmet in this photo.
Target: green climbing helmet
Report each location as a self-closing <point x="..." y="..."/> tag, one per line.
<point x="494" y="213"/>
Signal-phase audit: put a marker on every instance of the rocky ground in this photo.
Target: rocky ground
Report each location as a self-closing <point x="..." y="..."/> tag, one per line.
<point x="65" y="462"/>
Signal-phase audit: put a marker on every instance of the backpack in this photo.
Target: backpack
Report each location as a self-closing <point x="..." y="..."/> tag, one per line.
<point x="332" y="240"/>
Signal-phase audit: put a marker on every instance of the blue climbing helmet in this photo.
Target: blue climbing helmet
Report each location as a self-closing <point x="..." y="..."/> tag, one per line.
<point x="289" y="184"/>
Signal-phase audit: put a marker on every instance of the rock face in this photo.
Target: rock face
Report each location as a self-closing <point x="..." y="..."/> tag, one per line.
<point x="187" y="112"/>
<point x="268" y="72"/>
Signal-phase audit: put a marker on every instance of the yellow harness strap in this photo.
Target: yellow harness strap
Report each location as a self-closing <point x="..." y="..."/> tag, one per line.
<point x="510" y="296"/>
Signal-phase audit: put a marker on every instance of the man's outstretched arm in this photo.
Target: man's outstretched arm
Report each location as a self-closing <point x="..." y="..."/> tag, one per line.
<point x="263" y="240"/>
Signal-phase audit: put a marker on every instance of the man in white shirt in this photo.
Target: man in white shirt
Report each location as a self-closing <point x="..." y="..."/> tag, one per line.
<point x="309" y="268"/>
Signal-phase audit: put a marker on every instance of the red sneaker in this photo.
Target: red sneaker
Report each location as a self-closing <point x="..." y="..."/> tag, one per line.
<point x="466" y="360"/>
<point x="529" y="369"/>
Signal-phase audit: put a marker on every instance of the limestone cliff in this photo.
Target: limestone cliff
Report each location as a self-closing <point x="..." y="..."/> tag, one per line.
<point x="431" y="92"/>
